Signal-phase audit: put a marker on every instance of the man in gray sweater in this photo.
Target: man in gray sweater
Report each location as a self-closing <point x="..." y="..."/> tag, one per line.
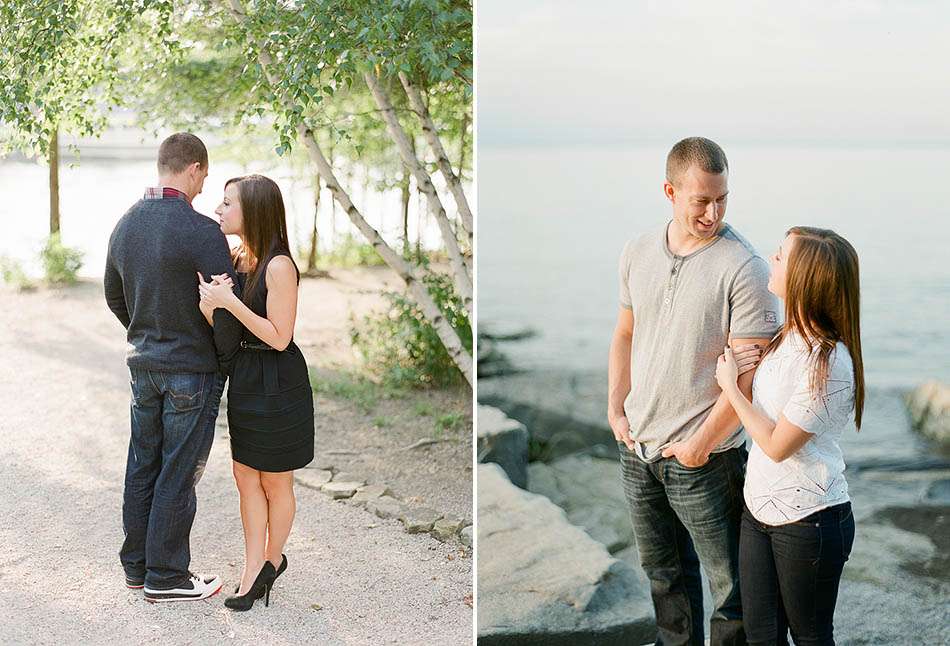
<point x="177" y="363"/>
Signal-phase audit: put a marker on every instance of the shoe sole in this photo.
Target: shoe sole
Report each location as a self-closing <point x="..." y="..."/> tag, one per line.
<point x="181" y="597"/>
<point x="135" y="587"/>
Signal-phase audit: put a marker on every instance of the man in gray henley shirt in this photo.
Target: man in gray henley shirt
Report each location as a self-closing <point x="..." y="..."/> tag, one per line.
<point x="687" y="289"/>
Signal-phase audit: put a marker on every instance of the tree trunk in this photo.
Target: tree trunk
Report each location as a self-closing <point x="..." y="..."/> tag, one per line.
<point x="420" y="224"/>
<point x="462" y="146"/>
<point x="432" y="136"/>
<point x="54" y="182"/>
<point x="463" y="279"/>
<point x="405" y="212"/>
<point x="333" y="236"/>
<point x="312" y="259"/>
<point x="408" y="273"/>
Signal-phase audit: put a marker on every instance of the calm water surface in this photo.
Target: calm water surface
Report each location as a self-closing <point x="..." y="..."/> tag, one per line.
<point x="552" y="223"/>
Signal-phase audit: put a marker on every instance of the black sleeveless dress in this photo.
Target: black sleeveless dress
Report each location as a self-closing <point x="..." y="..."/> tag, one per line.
<point x="270" y="403"/>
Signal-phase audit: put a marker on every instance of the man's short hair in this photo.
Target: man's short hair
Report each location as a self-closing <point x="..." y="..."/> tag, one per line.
<point x="695" y="151"/>
<point x="180" y="151"/>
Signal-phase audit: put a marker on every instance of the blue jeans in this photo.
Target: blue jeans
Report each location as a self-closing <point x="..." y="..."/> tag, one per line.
<point x="790" y="575"/>
<point x="173" y="418"/>
<point x="683" y="516"/>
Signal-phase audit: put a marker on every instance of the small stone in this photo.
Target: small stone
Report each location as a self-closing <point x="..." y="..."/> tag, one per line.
<point x="313" y="478"/>
<point x="316" y="606"/>
<point x="370" y="492"/>
<point x="338" y="490"/>
<point x="419" y="519"/>
<point x="385" y="507"/>
<point x="466" y="536"/>
<point x="349" y="477"/>
<point x="446" y="528"/>
<point x="321" y="464"/>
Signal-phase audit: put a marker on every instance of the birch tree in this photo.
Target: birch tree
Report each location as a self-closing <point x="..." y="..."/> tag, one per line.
<point x="307" y="52"/>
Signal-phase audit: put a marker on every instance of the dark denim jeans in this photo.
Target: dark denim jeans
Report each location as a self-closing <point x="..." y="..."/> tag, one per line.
<point x="790" y="575"/>
<point x="173" y="418"/>
<point x="683" y="516"/>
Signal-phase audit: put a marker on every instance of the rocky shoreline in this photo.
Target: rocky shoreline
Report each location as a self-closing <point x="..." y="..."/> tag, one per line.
<point x="894" y="587"/>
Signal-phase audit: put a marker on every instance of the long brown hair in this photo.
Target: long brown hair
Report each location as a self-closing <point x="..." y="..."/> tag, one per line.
<point x="822" y="303"/>
<point x="265" y="227"/>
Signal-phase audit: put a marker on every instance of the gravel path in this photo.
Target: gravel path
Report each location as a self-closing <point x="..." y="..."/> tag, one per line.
<point x="353" y="579"/>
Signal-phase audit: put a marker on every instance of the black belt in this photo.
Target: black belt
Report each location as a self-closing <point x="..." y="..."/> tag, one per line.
<point x="251" y="345"/>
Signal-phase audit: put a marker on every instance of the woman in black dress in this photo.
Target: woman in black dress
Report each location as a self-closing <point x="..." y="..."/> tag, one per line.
<point x="270" y="403"/>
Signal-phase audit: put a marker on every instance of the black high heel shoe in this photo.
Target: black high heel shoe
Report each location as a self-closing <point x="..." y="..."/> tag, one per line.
<point x="282" y="566"/>
<point x="280" y="570"/>
<point x="260" y="588"/>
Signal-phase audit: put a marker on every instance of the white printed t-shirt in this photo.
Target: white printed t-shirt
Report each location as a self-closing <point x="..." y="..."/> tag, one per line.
<point x="812" y="478"/>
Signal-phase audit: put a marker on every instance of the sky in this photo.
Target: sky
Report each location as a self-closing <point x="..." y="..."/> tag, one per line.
<point x="566" y="72"/>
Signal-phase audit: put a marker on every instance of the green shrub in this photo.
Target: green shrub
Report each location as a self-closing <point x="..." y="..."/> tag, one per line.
<point x="401" y="347"/>
<point x="61" y="263"/>
<point x="13" y="274"/>
<point x="352" y="251"/>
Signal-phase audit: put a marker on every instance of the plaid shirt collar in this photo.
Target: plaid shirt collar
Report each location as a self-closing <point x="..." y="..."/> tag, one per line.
<point x="164" y="193"/>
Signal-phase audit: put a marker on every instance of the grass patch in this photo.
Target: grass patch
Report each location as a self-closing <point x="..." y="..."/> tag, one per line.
<point x="381" y="422"/>
<point x="423" y="409"/>
<point x="449" y="422"/>
<point x="356" y="389"/>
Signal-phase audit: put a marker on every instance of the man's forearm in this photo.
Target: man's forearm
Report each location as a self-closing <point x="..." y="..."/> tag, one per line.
<point x="618" y="374"/>
<point x="115" y="296"/>
<point x="722" y="420"/>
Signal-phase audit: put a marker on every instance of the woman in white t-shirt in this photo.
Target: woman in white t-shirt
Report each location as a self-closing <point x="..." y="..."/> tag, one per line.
<point x="797" y="526"/>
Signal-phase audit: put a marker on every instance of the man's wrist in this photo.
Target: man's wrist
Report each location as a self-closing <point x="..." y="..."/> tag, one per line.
<point x="700" y="441"/>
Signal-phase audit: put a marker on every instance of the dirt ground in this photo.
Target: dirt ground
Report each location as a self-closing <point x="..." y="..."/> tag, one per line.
<point x="353" y="578"/>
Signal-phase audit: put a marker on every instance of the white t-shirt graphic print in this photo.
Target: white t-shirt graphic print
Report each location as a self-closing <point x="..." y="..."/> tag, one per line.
<point x="813" y="478"/>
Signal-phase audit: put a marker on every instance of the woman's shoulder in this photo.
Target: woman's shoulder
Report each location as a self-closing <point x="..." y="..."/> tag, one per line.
<point x="281" y="267"/>
<point x="840" y="365"/>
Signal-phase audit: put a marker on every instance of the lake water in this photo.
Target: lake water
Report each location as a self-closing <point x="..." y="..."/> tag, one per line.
<point x="95" y="194"/>
<point x="552" y="223"/>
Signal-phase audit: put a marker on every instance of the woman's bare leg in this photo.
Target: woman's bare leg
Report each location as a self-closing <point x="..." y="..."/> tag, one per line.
<point x="281" y="507"/>
<point x="254" y="519"/>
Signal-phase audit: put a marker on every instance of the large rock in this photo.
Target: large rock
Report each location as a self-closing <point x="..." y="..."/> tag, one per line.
<point x="565" y="410"/>
<point x="503" y="441"/>
<point x="541" y="580"/>
<point x="590" y="491"/>
<point x="929" y="407"/>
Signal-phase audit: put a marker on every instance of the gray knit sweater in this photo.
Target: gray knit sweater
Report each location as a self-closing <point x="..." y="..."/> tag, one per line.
<point x="151" y="285"/>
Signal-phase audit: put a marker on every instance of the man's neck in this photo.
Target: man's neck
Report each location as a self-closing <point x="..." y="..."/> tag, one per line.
<point x="681" y="243"/>
<point x="176" y="183"/>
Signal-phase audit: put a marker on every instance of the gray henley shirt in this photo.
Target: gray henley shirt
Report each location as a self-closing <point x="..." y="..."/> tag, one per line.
<point x="685" y="308"/>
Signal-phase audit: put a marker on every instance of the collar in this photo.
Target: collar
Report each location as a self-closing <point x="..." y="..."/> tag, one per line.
<point x="164" y="193"/>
